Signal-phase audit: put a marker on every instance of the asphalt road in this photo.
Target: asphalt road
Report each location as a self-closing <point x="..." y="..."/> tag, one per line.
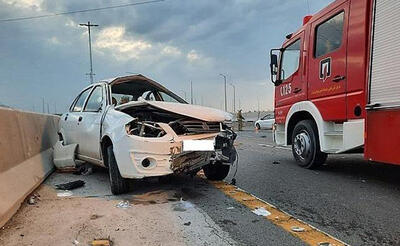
<point x="353" y="200"/>
<point x="356" y="201"/>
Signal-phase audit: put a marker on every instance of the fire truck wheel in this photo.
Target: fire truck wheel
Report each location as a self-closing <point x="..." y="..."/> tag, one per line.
<point x="305" y="145"/>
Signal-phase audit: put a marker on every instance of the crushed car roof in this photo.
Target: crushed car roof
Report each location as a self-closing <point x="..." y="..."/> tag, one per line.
<point x="132" y="78"/>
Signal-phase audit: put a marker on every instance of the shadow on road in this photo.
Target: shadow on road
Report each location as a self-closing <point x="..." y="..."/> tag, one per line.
<point x="355" y="165"/>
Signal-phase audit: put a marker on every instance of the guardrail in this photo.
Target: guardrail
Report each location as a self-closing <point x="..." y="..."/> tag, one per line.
<point x="26" y="141"/>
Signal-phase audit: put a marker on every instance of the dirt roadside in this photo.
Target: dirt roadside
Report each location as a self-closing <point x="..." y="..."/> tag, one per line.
<point x="153" y="218"/>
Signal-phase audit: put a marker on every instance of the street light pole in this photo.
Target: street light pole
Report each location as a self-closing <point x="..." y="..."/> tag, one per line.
<point x="224" y="90"/>
<point x="184" y="93"/>
<point x="191" y="92"/>
<point x="88" y="25"/>
<point x="234" y="97"/>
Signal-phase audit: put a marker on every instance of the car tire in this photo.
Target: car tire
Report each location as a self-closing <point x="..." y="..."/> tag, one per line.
<point x="305" y="145"/>
<point x="258" y="126"/>
<point x="217" y="171"/>
<point x="118" y="184"/>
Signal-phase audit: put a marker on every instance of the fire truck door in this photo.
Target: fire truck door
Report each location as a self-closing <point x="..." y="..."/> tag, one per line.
<point x="293" y="88"/>
<point x="328" y="62"/>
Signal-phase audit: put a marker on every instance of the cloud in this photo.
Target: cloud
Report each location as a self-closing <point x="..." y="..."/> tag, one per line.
<point x="122" y="46"/>
<point x="193" y="56"/>
<point x="54" y="40"/>
<point x="28" y="4"/>
<point x="171" y="50"/>
<point x="173" y="42"/>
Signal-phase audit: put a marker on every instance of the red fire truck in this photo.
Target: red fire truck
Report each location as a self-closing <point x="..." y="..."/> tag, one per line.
<point x="337" y="86"/>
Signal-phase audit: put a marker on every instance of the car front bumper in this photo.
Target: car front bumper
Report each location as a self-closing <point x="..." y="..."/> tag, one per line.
<point x="139" y="157"/>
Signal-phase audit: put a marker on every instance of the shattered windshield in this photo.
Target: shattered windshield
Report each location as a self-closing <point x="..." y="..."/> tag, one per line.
<point x="141" y="90"/>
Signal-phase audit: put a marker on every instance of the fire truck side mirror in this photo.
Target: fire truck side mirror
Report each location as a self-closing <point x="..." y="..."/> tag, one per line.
<point x="274" y="67"/>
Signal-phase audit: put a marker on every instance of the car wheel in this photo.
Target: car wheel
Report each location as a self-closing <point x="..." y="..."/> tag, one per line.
<point x="118" y="184"/>
<point x="217" y="171"/>
<point x="258" y="126"/>
<point x="305" y="145"/>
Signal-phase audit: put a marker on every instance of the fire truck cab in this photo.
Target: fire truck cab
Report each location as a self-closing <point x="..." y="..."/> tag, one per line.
<point x="335" y="83"/>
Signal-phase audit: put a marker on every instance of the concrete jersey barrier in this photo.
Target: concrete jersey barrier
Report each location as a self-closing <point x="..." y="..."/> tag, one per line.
<point x="26" y="141"/>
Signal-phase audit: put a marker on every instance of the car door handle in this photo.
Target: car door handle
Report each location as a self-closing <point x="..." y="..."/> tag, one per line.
<point x="338" y="78"/>
<point x="296" y="90"/>
<point x="80" y="119"/>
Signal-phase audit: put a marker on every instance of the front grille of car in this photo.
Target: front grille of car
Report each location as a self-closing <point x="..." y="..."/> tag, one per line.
<point x="193" y="126"/>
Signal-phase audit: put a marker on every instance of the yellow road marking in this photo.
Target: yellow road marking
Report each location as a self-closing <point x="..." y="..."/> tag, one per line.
<point x="309" y="235"/>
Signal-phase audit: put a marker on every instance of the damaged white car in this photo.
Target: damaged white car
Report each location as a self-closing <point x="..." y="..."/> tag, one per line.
<point x="137" y="128"/>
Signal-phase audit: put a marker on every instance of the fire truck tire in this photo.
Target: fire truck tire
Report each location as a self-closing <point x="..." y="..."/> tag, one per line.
<point x="305" y="145"/>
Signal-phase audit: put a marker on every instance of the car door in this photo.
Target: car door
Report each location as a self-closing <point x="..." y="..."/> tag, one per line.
<point x="266" y="122"/>
<point x="269" y="121"/>
<point x="89" y="123"/>
<point x="71" y="119"/>
<point x="261" y="122"/>
<point x="328" y="64"/>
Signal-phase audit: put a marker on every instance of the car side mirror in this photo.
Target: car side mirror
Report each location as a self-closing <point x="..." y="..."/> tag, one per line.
<point x="274" y="66"/>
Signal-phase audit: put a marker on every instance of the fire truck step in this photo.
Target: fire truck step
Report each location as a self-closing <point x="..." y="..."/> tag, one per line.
<point x="334" y="133"/>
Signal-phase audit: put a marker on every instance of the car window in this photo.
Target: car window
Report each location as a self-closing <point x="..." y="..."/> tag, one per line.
<point x="149" y="96"/>
<point x="133" y="91"/>
<point x="167" y="98"/>
<point x="290" y="60"/>
<point x="329" y="35"/>
<point x="95" y="100"/>
<point x="81" y="100"/>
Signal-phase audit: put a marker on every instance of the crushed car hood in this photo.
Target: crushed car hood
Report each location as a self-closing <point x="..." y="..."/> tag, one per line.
<point x="189" y="110"/>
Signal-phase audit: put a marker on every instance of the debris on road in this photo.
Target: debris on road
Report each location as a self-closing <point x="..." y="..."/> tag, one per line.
<point x="67" y="170"/>
<point x="64" y="155"/>
<point x="230" y="208"/>
<point x="71" y="185"/>
<point x="276" y="162"/>
<point x="182" y="206"/>
<point x="101" y="242"/>
<point x="187" y="223"/>
<point x="124" y="204"/>
<point x="75" y="242"/>
<point x="261" y="211"/>
<point x="33" y="199"/>
<point x="85" y="170"/>
<point x="297" y="229"/>
<point x="324" y="244"/>
<point x="95" y="216"/>
<point x="228" y="222"/>
<point x="64" y="193"/>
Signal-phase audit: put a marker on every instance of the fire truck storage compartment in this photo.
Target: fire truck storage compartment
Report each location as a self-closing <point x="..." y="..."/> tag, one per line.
<point x="383" y="109"/>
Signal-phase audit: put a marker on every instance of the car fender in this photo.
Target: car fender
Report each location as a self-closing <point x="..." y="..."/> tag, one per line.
<point x="114" y="124"/>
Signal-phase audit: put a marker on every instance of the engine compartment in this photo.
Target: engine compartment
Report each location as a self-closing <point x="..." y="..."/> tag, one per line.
<point x="146" y="119"/>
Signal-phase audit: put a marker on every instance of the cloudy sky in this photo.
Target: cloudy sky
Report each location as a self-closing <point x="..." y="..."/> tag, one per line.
<point x="173" y="42"/>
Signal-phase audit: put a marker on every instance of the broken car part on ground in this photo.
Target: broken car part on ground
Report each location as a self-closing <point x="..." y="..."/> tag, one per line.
<point x="138" y="128"/>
